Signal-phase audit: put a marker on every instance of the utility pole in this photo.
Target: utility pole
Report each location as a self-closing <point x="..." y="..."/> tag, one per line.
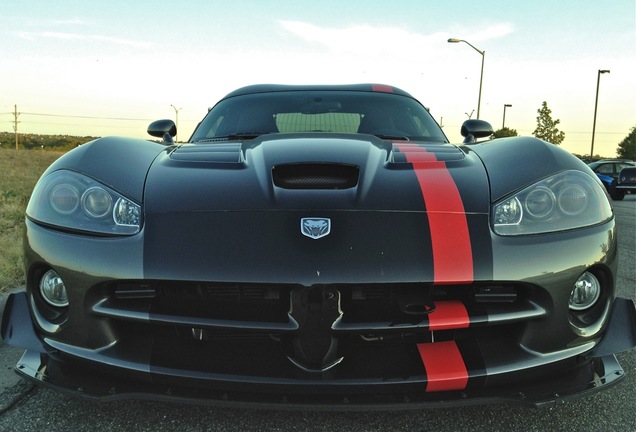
<point x="15" y="124"/>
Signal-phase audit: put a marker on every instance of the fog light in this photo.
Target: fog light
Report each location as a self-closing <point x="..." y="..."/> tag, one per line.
<point x="586" y="291"/>
<point x="53" y="290"/>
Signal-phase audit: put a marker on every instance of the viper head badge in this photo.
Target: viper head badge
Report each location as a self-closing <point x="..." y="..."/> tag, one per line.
<point x="315" y="228"/>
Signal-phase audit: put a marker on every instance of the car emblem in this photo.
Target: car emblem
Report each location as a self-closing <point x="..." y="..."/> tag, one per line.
<point x="315" y="228"/>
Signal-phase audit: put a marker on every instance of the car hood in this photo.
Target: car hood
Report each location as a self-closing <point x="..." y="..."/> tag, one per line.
<point x="311" y="171"/>
<point x="237" y="212"/>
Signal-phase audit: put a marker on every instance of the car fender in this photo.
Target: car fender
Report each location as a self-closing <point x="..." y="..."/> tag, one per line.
<point x="120" y="163"/>
<point x="515" y="162"/>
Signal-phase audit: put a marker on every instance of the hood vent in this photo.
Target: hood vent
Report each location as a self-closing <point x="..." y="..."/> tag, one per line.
<point x="210" y="153"/>
<point x="315" y="176"/>
<point x="404" y="152"/>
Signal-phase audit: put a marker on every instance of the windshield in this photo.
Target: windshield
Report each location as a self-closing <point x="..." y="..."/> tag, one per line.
<point x="385" y="115"/>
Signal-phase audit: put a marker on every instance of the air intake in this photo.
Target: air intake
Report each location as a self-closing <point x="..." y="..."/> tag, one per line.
<point x="315" y="176"/>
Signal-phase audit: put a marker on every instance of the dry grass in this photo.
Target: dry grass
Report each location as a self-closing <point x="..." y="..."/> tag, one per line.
<point x="19" y="171"/>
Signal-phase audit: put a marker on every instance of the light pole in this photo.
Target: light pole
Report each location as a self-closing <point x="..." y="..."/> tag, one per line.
<point x="176" y="111"/>
<point x="598" y="81"/>
<point x="481" y="79"/>
<point x="503" y="123"/>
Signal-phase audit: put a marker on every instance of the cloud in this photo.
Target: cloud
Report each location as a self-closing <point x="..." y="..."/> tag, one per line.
<point x="65" y="22"/>
<point x="492" y="32"/>
<point x="81" y="37"/>
<point x="393" y="41"/>
<point x="360" y="38"/>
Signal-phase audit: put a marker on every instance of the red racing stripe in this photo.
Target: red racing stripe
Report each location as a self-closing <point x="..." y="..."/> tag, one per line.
<point x="448" y="315"/>
<point x="382" y="88"/>
<point x="444" y="366"/>
<point x="450" y="238"/>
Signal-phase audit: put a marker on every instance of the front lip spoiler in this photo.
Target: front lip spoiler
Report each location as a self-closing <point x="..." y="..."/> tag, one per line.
<point x="621" y="330"/>
<point x="79" y="382"/>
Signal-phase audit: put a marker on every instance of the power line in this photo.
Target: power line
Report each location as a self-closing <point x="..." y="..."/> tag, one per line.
<point x="84" y="125"/>
<point x="87" y="117"/>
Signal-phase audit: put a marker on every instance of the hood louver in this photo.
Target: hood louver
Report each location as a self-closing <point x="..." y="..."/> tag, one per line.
<point x="209" y="153"/>
<point x="405" y="152"/>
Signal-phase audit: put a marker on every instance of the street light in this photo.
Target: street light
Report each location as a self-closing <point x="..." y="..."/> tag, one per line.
<point x="176" y="110"/>
<point x="503" y="123"/>
<point x="598" y="81"/>
<point x="483" y="57"/>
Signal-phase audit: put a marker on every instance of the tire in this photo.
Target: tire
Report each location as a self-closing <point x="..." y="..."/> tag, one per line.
<point x="617" y="195"/>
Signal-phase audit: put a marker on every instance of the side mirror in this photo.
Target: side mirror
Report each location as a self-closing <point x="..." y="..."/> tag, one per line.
<point x="474" y="129"/>
<point x="164" y="129"/>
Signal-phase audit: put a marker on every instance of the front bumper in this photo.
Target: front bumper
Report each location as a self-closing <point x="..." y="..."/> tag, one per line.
<point x="542" y="379"/>
<point x="631" y="188"/>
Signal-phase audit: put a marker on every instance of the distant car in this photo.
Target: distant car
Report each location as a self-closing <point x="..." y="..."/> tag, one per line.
<point x="321" y="247"/>
<point x="626" y="182"/>
<point x="607" y="171"/>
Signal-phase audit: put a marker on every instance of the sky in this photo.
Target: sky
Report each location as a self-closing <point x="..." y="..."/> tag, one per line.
<point x="111" y="67"/>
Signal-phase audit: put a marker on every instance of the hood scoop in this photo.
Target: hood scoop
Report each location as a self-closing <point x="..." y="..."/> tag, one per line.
<point x="323" y="176"/>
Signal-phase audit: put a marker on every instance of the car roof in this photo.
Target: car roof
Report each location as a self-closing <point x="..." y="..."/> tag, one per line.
<point x="610" y="161"/>
<point x="271" y="88"/>
<point x="614" y="160"/>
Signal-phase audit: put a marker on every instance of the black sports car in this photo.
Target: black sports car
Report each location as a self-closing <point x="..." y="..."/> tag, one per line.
<point x="626" y="182"/>
<point x="321" y="247"/>
<point x="608" y="171"/>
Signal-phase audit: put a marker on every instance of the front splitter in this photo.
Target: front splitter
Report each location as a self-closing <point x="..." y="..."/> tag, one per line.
<point x="86" y="383"/>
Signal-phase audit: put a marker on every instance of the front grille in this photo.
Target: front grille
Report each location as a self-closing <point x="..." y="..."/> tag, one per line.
<point x="284" y="330"/>
<point x="239" y="307"/>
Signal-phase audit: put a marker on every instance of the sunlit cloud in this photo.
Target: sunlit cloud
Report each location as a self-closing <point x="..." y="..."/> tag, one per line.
<point x="57" y="35"/>
<point x="360" y="38"/>
<point x="67" y="22"/>
<point x="81" y="37"/>
<point x="385" y="40"/>
<point x="491" y="32"/>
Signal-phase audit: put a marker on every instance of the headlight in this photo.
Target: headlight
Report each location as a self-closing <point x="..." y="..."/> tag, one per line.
<point x="70" y="200"/>
<point x="564" y="201"/>
<point x="97" y="202"/>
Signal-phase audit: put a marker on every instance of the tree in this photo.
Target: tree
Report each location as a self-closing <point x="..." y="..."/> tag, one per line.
<point x="505" y="132"/>
<point x="46" y="142"/>
<point x="627" y="148"/>
<point x="546" y="127"/>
